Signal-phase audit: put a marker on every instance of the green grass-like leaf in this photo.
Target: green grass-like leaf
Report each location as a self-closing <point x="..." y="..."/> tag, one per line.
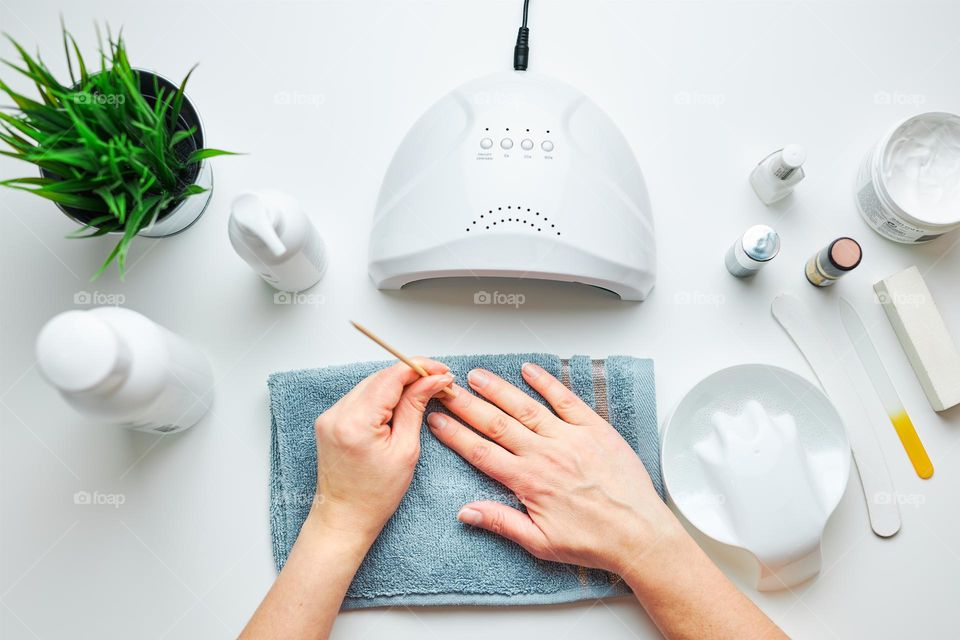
<point x="102" y="146"/>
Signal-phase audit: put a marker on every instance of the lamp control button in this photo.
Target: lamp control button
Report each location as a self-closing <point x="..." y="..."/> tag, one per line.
<point x="527" y="144"/>
<point x="506" y="143"/>
<point x="486" y="143"/>
<point x="547" y="146"/>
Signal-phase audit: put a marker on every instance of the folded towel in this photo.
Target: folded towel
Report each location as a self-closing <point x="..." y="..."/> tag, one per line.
<point x="424" y="556"/>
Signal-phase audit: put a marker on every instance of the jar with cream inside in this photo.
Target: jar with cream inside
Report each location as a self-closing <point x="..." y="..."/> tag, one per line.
<point x="908" y="187"/>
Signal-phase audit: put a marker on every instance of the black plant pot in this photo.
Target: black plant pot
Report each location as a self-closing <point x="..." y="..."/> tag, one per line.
<point x="188" y="210"/>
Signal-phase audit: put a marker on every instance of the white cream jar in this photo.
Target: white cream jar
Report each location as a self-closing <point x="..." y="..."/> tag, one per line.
<point x="908" y="187"/>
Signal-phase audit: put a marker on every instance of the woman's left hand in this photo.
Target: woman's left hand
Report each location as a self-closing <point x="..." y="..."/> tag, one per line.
<point x="368" y="444"/>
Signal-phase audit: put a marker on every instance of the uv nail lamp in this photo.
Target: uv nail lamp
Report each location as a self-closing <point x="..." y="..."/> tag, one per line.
<point x="520" y="176"/>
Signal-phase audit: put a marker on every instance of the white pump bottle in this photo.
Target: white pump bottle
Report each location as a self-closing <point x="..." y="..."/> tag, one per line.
<point x="270" y="231"/>
<point x="116" y="365"/>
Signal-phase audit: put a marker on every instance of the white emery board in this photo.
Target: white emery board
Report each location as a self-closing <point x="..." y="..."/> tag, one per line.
<point x="923" y="336"/>
<point x="803" y="328"/>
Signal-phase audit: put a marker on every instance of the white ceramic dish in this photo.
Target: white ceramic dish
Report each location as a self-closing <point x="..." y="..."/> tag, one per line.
<point x="756" y="457"/>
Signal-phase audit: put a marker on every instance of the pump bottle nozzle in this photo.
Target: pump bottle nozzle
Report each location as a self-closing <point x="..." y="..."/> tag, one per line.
<point x="254" y="218"/>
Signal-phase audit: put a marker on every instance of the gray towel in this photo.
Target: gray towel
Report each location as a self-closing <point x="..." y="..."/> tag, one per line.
<point x="424" y="556"/>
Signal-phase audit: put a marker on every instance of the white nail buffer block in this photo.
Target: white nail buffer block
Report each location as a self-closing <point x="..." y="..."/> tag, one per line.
<point x="803" y="328"/>
<point x="923" y="336"/>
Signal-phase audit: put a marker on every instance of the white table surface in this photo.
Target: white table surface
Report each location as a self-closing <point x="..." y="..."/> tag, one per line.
<point x="319" y="94"/>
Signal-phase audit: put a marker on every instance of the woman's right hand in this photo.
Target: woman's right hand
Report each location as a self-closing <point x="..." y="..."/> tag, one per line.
<point x="588" y="497"/>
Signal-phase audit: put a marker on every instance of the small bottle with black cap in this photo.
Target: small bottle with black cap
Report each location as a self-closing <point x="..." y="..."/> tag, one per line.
<point x="833" y="261"/>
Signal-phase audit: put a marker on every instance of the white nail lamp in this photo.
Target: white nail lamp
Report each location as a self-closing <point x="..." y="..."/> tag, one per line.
<point x="515" y="175"/>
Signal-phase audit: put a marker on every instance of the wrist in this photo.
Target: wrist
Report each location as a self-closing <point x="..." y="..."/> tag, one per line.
<point x="335" y="529"/>
<point x="653" y="552"/>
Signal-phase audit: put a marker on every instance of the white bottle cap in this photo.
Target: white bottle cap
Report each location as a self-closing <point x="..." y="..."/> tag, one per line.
<point x="793" y="156"/>
<point x="77" y="351"/>
<point x="257" y="220"/>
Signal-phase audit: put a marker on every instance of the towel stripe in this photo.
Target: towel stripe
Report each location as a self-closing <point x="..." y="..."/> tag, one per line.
<point x="600" y="388"/>
<point x="565" y="373"/>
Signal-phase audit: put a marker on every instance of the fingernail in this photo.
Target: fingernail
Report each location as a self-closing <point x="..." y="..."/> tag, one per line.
<point x="478" y="378"/>
<point x="437" y="421"/>
<point x="470" y="516"/>
<point x="532" y="370"/>
<point x="445" y="380"/>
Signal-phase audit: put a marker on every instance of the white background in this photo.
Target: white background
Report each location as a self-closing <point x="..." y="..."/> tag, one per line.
<point x="319" y="95"/>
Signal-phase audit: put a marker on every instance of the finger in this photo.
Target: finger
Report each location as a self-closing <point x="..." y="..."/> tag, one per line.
<point x="488" y="420"/>
<point x="408" y="415"/>
<point x="385" y="386"/>
<point x="515" y="402"/>
<point x="488" y="457"/>
<point x="565" y="402"/>
<point x="507" y="522"/>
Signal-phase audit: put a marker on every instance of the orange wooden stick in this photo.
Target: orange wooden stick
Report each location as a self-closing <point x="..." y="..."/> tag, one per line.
<point x="399" y="356"/>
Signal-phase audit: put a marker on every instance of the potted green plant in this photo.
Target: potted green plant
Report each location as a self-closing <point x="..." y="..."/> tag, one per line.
<point x="120" y="150"/>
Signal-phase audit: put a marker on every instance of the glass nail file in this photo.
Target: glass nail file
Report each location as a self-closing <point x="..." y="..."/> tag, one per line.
<point x="889" y="398"/>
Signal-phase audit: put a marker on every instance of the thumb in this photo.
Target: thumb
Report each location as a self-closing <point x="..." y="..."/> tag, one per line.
<point x="408" y="414"/>
<point x="505" y="521"/>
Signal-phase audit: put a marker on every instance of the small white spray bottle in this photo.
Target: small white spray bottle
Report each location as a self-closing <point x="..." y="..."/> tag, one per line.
<point x="116" y="365"/>
<point x="776" y="175"/>
<point x="270" y="231"/>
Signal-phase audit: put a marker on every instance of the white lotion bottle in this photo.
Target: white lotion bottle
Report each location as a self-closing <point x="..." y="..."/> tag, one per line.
<point x="270" y="231"/>
<point x="776" y="175"/>
<point x="118" y="366"/>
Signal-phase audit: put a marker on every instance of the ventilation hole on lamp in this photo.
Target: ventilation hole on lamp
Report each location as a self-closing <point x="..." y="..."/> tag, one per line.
<point x="537" y="221"/>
